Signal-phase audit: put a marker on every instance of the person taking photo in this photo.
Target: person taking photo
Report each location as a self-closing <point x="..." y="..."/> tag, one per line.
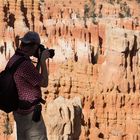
<point x="29" y="79"/>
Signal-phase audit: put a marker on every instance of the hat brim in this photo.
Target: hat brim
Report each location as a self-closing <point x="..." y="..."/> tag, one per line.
<point x="24" y="41"/>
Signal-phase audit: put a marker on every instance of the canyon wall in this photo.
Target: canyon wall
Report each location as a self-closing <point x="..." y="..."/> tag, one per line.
<point x="94" y="75"/>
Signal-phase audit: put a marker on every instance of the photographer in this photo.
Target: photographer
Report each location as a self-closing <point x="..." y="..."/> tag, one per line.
<point x="29" y="80"/>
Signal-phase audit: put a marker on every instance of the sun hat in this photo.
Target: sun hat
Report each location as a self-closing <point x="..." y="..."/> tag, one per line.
<point x="30" y="37"/>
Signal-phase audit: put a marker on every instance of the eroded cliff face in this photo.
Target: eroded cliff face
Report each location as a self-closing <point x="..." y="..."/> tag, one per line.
<point x="97" y="60"/>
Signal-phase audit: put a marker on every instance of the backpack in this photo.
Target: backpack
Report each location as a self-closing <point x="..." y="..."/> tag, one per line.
<point x="8" y="91"/>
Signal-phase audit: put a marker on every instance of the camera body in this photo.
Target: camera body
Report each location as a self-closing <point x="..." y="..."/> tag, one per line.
<point x="41" y="48"/>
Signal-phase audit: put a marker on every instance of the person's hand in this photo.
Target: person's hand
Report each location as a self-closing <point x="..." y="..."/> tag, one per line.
<point x="42" y="61"/>
<point x="45" y="54"/>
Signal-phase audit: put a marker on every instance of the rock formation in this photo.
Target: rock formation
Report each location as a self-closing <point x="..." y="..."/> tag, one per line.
<point x="64" y="119"/>
<point x="97" y="60"/>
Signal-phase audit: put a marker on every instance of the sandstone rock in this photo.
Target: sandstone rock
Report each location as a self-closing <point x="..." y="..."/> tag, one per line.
<point x="63" y="119"/>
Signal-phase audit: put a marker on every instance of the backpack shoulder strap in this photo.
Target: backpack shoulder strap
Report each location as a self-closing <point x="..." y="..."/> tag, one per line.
<point x="16" y="64"/>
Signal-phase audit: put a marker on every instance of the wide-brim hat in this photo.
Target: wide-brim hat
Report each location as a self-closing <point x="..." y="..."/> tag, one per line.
<point x="30" y="37"/>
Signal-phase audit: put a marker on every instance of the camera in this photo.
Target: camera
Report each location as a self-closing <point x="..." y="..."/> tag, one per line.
<point x="41" y="48"/>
